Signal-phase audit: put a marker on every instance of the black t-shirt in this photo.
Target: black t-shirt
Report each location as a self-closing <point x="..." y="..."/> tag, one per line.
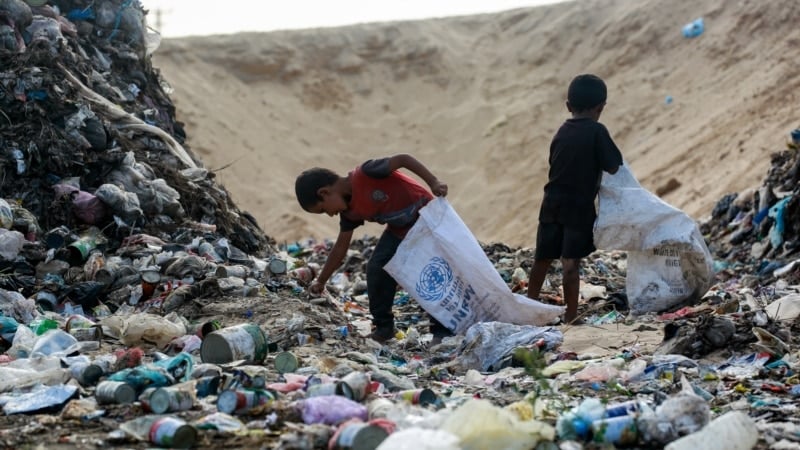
<point x="581" y="150"/>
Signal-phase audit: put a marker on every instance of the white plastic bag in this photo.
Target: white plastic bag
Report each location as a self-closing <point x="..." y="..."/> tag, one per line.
<point x="668" y="261"/>
<point x="489" y="346"/>
<point x="442" y="265"/>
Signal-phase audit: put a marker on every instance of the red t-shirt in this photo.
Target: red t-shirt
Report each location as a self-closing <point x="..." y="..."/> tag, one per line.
<point x="383" y="196"/>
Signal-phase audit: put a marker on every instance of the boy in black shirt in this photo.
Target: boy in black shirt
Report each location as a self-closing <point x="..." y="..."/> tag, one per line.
<point x="579" y="153"/>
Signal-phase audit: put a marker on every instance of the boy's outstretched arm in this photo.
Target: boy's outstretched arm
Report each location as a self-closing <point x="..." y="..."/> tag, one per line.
<point x="412" y="164"/>
<point x="335" y="258"/>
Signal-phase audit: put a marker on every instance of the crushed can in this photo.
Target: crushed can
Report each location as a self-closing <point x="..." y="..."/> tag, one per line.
<point x="245" y="341"/>
<point x="172" y="433"/>
<point x="360" y="436"/>
<point x="150" y="280"/>
<point x="379" y="408"/>
<point x="421" y="397"/>
<point x="46" y="300"/>
<point x="208" y="386"/>
<point x="232" y="271"/>
<point x="359" y="384"/>
<point x="277" y="266"/>
<point x="207" y="328"/>
<point x="338" y="388"/>
<point x="285" y="362"/>
<point x="86" y="374"/>
<point x="114" y="392"/>
<point x="241" y="401"/>
<point x="165" y="399"/>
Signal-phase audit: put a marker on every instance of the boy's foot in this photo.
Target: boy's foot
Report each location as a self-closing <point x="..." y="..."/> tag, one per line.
<point x="439" y="335"/>
<point x="439" y="332"/>
<point x="382" y="335"/>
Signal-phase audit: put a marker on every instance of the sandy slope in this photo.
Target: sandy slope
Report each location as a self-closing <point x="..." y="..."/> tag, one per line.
<point x="478" y="99"/>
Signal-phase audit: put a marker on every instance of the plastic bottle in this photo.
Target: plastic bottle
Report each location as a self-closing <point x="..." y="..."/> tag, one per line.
<point x="576" y="423"/>
<point x="42" y="325"/>
<point x="677" y="416"/>
<point x="163" y="431"/>
<point x="732" y="431"/>
<point x="619" y="430"/>
<point x="796" y="136"/>
<point x="694" y="28"/>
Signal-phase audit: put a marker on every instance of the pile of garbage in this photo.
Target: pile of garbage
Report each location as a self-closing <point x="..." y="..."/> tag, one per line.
<point x="140" y="307"/>
<point x="101" y="203"/>
<point x="755" y="232"/>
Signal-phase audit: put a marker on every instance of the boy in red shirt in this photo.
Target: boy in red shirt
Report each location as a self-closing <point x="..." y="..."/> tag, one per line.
<point x="375" y="191"/>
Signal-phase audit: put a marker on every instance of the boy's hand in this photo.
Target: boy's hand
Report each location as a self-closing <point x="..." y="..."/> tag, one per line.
<point x="316" y="287"/>
<point x="438" y="188"/>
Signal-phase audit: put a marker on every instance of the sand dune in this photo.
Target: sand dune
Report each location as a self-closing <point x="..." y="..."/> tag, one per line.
<point x="478" y="98"/>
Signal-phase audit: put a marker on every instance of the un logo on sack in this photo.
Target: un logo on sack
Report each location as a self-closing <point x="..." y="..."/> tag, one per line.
<point x="434" y="280"/>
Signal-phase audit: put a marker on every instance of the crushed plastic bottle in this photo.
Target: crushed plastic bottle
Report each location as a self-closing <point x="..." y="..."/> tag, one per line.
<point x="677" y="416"/>
<point x="694" y="28"/>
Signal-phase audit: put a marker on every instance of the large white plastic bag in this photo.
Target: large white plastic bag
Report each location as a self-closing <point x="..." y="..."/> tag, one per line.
<point x="442" y="265"/>
<point x="668" y="261"/>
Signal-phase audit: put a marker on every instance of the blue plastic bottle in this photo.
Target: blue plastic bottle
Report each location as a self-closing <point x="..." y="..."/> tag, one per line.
<point x="694" y="28"/>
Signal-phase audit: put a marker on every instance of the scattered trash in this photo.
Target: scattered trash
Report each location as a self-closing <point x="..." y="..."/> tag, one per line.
<point x="138" y="303"/>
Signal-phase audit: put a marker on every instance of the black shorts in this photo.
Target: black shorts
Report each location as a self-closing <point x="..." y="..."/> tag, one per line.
<point x="555" y="241"/>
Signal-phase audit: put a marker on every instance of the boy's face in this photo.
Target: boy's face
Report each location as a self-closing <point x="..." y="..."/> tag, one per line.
<point x="332" y="202"/>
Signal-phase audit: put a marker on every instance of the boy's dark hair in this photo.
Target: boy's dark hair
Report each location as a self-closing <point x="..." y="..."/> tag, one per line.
<point x="585" y="92"/>
<point x="309" y="182"/>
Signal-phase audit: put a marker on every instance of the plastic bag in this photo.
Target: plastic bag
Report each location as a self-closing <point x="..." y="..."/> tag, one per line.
<point x="420" y="439"/>
<point x="480" y="425"/>
<point x="124" y="204"/>
<point x="142" y="328"/>
<point x="331" y="410"/>
<point x="442" y="265"/>
<point x="668" y="261"/>
<point x="13" y="304"/>
<point x="488" y="346"/>
<point x="11" y="243"/>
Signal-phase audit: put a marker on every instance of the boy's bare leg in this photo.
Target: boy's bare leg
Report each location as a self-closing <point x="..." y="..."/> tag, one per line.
<point x="571" y="287"/>
<point x="537" y="276"/>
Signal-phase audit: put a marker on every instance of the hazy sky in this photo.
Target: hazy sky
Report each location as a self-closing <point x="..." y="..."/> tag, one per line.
<point x="198" y="17"/>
